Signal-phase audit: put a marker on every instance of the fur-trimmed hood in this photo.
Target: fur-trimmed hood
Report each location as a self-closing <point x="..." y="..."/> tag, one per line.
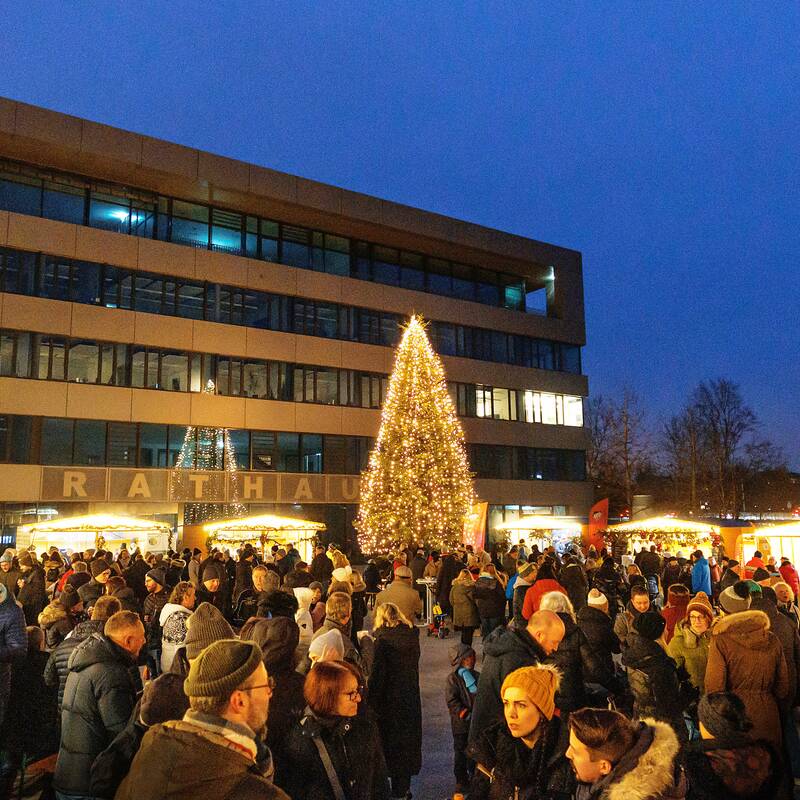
<point x="51" y="614"/>
<point x="749" y="629"/>
<point x="648" y="770"/>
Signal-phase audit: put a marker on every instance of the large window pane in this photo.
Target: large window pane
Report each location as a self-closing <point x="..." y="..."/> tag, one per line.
<point x="288" y="452"/>
<point x="385" y="265"/>
<point x="463" y="282"/>
<point x="335" y="455"/>
<point x="327" y="380"/>
<point x="571" y="358"/>
<point x="62" y="202"/>
<point x="439" y="280"/>
<point x="7" y="342"/>
<point x="57" y="441"/>
<point x="54" y="278"/>
<point x="240" y="442"/>
<point x="121" y="444"/>
<point x="311" y="454"/>
<point x="189" y="224"/>
<point x="327" y="321"/>
<point x="110" y="213"/>
<point x="500" y="400"/>
<point x="83" y="362"/>
<point x="573" y="411"/>
<point x="175" y="372"/>
<point x="90" y="442"/>
<point x="226" y="231"/>
<point x="263" y="447"/>
<point x="548" y="401"/>
<point x="20" y="440"/>
<point x="148" y="293"/>
<point x="152" y="445"/>
<point x="20" y="194"/>
<point x="412" y="273"/>
<point x="190" y="301"/>
<point x="255" y="379"/>
<point x="296" y="246"/>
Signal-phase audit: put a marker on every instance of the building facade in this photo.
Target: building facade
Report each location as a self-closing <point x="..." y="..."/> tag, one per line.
<point x="133" y="271"/>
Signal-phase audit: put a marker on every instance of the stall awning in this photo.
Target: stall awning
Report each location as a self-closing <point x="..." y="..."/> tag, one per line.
<point x="663" y="525"/>
<point x="247" y="527"/>
<point x="106" y="524"/>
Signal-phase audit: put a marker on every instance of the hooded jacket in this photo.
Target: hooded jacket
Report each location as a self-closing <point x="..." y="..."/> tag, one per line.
<point x="701" y="576"/>
<point x="599" y="631"/>
<point x="56" y="624"/>
<point x="57" y="669"/>
<point x="172" y="622"/>
<point x="573" y="579"/>
<point x="788" y="636"/>
<point x="690" y="651"/>
<point x="13" y="639"/>
<point x="746" y="658"/>
<point x="504" y="650"/>
<point x="535" y="594"/>
<point x="489" y="596"/>
<point x="736" y="769"/>
<point x="462" y="601"/>
<point x="574" y="659"/>
<point x="32" y="595"/>
<point x="303" y="619"/>
<point x="179" y="761"/>
<point x="99" y="696"/>
<point x="650" y="770"/>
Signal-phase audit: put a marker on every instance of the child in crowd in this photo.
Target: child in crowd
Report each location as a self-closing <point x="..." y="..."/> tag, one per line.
<point x="462" y="685"/>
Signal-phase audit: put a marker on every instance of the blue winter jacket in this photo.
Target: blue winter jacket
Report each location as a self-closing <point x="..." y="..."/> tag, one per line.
<point x="701" y="577"/>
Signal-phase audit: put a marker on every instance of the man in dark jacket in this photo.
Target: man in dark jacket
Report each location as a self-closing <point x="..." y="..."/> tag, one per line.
<point x="650" y="564"/>
<point x="573" y="579"/>
<point x="13" y="642"/>
<point x="490" y="598"/>
<point x="244" y="572"/>
<point x="134" y="576"/>
<point x="156" y="599"/>
<point x="216" y="747"/>
<point x="298" y="578"/>
<point x="448" y="572"/>
<point x="504" y="651"/>
<point x="32" y="594"/>
<point x="595" y="622"/>
<point x="9" y="574"/>
<point x="90" y="592"/>
<point x="57" y="668"/>
<point x="321" y="566"/>
<point x="99" y="696"/>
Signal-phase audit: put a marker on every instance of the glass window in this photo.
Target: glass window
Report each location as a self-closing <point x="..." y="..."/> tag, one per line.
<point x="299" y="382"/>
<point x="54" y="278"/>
<point x="190" y="301"/>
<point x="546" y="354"/>
<point x="110" y="213"/>
<point x="532" y="412"/>
<point x="85" y="286"/>
<point x="269" y="240"/>
<point x="327" y="322"/>
<point x="311" y="454"/>
<point x="439" y="280"/>
<point x="7" y="342"/>
<point x="488" y="291"/>
<point x="180" y="437"/>
<point x="501" y="404"/>
<point x="63" y="202"/>
<point x="255" y="379"/>
<point x="21" y="194"/>
<point x="484" y="401"/>
<point x="385" y="265"/>
<point x="463" y="282"/>
<point x="335" y="457"/>
<point x="263" y="447"/>
<point x="83" y="362"/>
<point x="337" y="255"/>
<point x="152" y="445"/>
<point x="445" y="338"/>
<point x="25" y="355"/>
<point x="573" y="411"/>
<point x="174" y="371"/>
<point x="240" y="444"/>
<point x="499" y="346"/>
<point x="90" y="442"/>
<point x="138" y="366"/>
<point x="513" y="292"/>
<point x="20" y="440"/>
<point x="288" y="452"/>
<point x="571" y="358"/>
<point x="189" y="224"/>
<point x="226" y="231"/>
<point x="58" y="359"/>
<point x="536" y="301"/>
<point x="19" y="271"/>
<point x="559" y="409"/>
<point x="362" y="264"/>
<point x="327" y="381"/>
<point x="412" y="272"/>
<point x="295" y="246"/>
<point x="57" y="441"/>
<point x="368" y="326"/>
<point x="548" y="402"/>
<point x="390" y="332"/>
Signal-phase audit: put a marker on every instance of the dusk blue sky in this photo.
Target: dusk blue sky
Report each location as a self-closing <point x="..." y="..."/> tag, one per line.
<point x="661" y="140"/>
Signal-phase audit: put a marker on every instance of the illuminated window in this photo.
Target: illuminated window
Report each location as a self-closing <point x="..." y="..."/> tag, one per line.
<point x="548" y="402"/>
<point x="573" y="411"/>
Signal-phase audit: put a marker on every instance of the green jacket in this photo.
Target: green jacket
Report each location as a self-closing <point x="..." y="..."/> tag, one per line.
<point x="178" y="761"/>
<point x="690" y="651"/>
<point x="465" y="612"/>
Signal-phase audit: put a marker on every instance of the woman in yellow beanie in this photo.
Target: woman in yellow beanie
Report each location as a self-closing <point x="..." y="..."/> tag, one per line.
<point x="520" y="758"/>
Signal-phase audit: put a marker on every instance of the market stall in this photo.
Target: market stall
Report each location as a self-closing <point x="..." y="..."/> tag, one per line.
<point x="544" y="531"/>
<point x="771" y="540"/>
<point x="668" y="534"/>
<point x="265" y="530"/>
<point x="97" y="531"/>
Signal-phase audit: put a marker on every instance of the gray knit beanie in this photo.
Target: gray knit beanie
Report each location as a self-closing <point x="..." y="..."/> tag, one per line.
<point x="735" y="598"/>
<point x="221" y="668"/>
<point x="205" y="626"/>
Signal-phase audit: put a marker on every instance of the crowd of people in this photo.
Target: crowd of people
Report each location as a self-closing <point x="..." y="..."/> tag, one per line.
<point x="139" y="676"/>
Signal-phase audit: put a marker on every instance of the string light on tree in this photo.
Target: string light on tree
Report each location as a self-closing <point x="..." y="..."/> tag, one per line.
<point x="207" y="449"/>
<point x="418" y="486"/>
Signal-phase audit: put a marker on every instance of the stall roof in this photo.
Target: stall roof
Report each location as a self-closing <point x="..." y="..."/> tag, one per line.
<point x="263" y="522"/>
<point x="663" y="524"/>
<point x="784" y="529"/>
<point x="96" y="523"/>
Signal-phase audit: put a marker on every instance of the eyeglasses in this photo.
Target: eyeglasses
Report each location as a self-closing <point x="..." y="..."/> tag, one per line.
<point x="356" y="693"/>
<point x="697" y="616"/>
<point x="270" y="684"/>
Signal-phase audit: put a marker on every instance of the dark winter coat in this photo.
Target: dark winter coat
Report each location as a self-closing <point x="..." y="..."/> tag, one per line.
<point x="297" y="579"/>
<point x="574" y="659"/>
<point x="650" y="564"/>
<point x="32" y="596"/>
<point x="447" y="574"/>
<point x="654" y="680"/>
<point x="244" y="578"/>
<point x="57" y="668"/>
<point x="650" y="770"/>
<point x="464" y="610"/>
<point x="573" y="579"/>
<point x="179" y="761"/>
<point x="134" y="577"/>
<point x="490" y="598"/>
<point x="729" y="577"/>
<point x="746" y="658"/>
<point x="354" y="747"/>
<point x="735" y="769"/>
<point x="608" y="580"/>
<point x="787" y="634"/>
<point x="56" y="624"/>
<point x="90" y="592"/>
<point x="518" y="602"/>
<point x="371" y="576"/>
<point x="394" y="697"/>
<point x="9" y="580"/>
<point x="151" y="611"/>
<point x="128" y="600"/>
<point x="13" y="638"/>
<point x="599" y="631"/>
<point x="504" y="651"/>
<point x="507" y="769"/>
<point x="322" y="568"/>
<point x="113" y="764"/>
<point x="99" y="697"/>
<point x="459" y="702"/>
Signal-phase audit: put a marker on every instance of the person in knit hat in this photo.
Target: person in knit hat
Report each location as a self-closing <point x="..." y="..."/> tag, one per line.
<point x="460" y="690"/>
<point x="598" y="627"/>
<point x="91" y="591"/>
<point x="9" y="572"/>
<point x="155" y="582"/>
<point x="32" y="591"/>
<point x="204" y="626"/>
<point x="677" y="599"/>
<point x="735" y="598"/>
<point x="521" y="753"/>
<point x="220" y="736"/>
<point x="59" y="618"/>
<point x="688" y="648"/>
<point x="211" y="590"/>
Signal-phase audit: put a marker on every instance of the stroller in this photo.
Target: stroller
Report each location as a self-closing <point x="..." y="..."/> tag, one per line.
<point x="439" y="626"/>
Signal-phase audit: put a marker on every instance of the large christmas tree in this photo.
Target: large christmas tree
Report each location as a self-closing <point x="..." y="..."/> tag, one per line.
<point x="417" y="487"/>
<point x="208" y="449"/>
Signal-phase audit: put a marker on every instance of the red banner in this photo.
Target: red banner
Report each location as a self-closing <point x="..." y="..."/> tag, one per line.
<point x="475" y="526"/>
<point x="598" y="522"/>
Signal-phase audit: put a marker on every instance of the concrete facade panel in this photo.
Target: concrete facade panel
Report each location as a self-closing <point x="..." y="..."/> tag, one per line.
<point x="360" y="422"/>
<point x="363" y="293"/>
<point x="109" y="324"/>
<point x="172" y="408"/>
<point x="111" y="143"/>
<point x="224" y="172"/>
<point x="269" y="415"/>
<point x="170" y="158"/>
<point x="43" y="125"/>
<point x="3" y="227"/>
<point x="20" y="482"/>
<point x="324" y="352"/>
<point x="217" y="412"/>
<point x="361" y="206"/>
<point x="319" y="195"/>
<point x="157" y="331"/>
<point x="523" y="434"/>
<point x="35" y="314"/>
<point x="220" y="268"/>
<point x="268" y="277"/>
<point x="320" y="286"/>
<point x="366" y="357"/>
<point x="318" y="419"/>
<point x="113" y="248"/>
<point x="169" y="259"/>
<point x="8" y="116"/>
<point x="41" y="398"/>
<point x="85" y="401"/>
<point x="270" y="183"/>
<point x="47" y="235"/>
<point x="212" y="337"/>
<point x="271" y="344"/>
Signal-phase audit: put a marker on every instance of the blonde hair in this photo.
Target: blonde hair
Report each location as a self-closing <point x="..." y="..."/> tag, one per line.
<point x="390" y="616"/>
<point x="339" y="607"/>
<point x="464" y="577"/>
<point x="339" y="559"/>
<point x="786" y="586"/>
<point x="558" y="602"/>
